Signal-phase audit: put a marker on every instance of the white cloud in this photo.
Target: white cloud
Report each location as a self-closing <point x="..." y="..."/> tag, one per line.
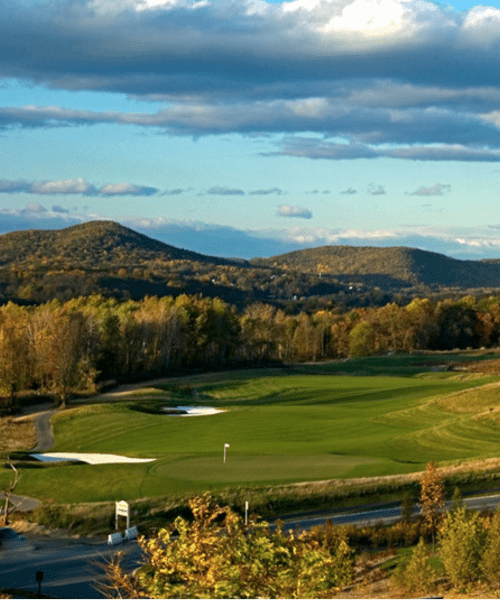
<point x="438" y="189"/>
<point x="286" y="210"/>
<point x="34" y="207"/>
<point x="126" y="189"/>
<point x="223" y="191"/>
<point x="274" y="190"/>
<point x="11" y="187"/>
<point x="481" y="26"/>
<point x="78" y="186"/>
<point x="376" y="190"/>
<point x="372" y="18"/>
<point x="68" y="186"/>
<point x="314" y="148"/>
<point x="59" y="209"/>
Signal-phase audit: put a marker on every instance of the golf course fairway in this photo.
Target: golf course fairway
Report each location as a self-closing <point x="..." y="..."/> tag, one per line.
<point x="281" y="426"/>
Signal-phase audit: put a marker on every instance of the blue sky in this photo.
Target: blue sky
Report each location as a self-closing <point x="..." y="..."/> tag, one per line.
<point x="250" y="128"/>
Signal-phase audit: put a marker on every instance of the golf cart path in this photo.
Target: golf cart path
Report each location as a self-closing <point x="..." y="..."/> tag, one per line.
<point x="43" y="431"/>
<point x="22" y="503"/>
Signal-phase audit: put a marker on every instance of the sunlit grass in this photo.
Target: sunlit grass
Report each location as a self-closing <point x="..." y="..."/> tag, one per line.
<point x="282" y="427"/>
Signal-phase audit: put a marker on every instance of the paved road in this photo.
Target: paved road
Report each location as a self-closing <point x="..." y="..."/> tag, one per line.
<point x="23" y="503"/>
<point x="43" y="431"/>
<point x="45" y="441"/>
<point x="69" y="567"/>
<point x="384" y="515"/>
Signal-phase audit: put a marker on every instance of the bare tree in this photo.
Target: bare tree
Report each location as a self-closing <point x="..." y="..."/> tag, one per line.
<point x="9" y="505"/>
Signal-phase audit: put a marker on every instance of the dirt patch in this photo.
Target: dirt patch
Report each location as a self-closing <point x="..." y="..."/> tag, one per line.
<point x="16" y="434"/>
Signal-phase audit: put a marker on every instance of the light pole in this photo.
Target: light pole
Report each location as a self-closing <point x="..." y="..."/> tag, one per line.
<point x="225" y="448"/>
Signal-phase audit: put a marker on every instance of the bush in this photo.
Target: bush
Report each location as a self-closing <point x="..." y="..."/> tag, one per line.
<point x="490" y="563"/>
<point x="414" y="575"/>
<point x="217" y="556"/>
<point x="461" y="541"/>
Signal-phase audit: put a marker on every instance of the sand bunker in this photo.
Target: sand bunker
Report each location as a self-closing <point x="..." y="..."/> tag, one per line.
<point x="193" y="411"/>
<point x="90" y="458"/>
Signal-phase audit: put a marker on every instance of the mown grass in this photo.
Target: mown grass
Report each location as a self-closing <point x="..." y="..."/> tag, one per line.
<point x="282" y="427"/>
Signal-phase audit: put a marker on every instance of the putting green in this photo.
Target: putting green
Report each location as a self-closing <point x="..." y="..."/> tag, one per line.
<point x="259" y="468"/>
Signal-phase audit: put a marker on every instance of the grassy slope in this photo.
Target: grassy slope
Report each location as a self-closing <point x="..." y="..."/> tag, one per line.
<point x="281" y="428"/>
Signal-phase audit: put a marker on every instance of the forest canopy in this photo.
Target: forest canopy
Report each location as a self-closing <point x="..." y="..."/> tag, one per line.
<point x="61" y="347"/>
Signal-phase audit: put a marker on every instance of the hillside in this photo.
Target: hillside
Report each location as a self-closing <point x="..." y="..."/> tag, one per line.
<point x="107" y="258"/>
<point x="94" y="244"/>
<point x="395" y="265"/>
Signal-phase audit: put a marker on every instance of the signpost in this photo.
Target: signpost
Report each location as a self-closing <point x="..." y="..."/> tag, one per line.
<point x="225" y="448"/>
<point x="39" y="579"/>
<point x="122" y="509"/>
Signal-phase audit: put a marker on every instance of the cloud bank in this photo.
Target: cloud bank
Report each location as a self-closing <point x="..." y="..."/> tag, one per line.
<point x="338" y="79"/>
<point x="75" y="186"/>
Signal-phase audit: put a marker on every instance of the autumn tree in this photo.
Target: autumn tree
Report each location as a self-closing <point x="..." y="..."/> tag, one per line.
<point x="59" y="343"/>
<point x="490" y="559"/>
<point x="414" y="575"/>
<point x="461" y="542"/>
<point x="217" y="556"/>
<point x="431" y="496"/>
<point x="407" y="507"/>
<point x="362" y="339"/>
<point x="422" y="324"/>
<point x="14" y="351"/>
<point x="257" y="331"/>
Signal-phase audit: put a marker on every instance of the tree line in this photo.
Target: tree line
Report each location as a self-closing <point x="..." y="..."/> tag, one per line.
<point x="58" y="347"/>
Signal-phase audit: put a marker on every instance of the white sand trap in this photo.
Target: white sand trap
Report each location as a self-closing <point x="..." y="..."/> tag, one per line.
<point x="90" y="458"/>
<point x="194" y="411"/>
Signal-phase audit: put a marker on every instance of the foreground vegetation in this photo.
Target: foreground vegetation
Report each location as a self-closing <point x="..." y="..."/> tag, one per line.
<point x="215" y="554"/>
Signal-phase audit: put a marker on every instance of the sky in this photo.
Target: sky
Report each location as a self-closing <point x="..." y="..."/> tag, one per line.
<point x="245" y="128"/>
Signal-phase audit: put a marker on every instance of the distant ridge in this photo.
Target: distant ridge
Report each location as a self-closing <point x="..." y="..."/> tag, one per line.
<point x="398" y="263"/>
<point x="107" y="258"/>
<point x="91" y="244"/>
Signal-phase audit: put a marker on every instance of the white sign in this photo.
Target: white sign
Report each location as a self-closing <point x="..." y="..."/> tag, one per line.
<point x="122" y="509"/>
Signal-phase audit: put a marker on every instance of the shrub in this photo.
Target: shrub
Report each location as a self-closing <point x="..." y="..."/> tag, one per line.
<point x="414" y="575"/>
<point x="490" y="562"/>
<point x="217" y="556"/>
<point x="461" y="541"/>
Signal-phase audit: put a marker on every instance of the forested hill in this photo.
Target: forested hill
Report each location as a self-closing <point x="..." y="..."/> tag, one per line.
<point x="106" y="258"/>
<point x="90" y="245"/>
<point x="396" y="265"/>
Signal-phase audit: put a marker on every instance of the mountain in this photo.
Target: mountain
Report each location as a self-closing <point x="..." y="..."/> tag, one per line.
<point x="390" y="266"/>
<point x="95" y="244"/>
<point x="105" y="257"/>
